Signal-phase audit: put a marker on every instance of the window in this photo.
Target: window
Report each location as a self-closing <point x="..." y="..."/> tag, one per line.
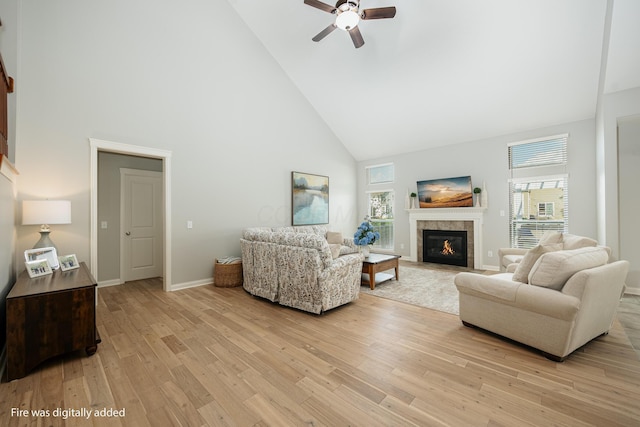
<point x="381" y="214"/>
<point x="538" y="195"/>
<point x="380" y="204"/>
<point x="380" y="174"/>
<point x="545" y="209"/>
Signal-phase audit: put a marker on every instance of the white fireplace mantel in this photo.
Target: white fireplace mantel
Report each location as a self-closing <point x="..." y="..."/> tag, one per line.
<point x="475" y="214"/>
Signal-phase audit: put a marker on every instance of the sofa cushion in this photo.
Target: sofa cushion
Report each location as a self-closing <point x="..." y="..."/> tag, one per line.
<point x="521" y="273"/>
<point x="553" y="269"/>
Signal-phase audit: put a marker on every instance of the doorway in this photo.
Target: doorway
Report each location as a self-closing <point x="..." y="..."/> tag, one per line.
<point x="140" y="224"/>
<point x="97" y="225"/>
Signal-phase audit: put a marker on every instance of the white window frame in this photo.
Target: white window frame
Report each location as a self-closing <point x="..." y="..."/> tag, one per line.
<point x="390" y="246"/>
<point x="548" y="165"/>
<point x="371" y="175"/>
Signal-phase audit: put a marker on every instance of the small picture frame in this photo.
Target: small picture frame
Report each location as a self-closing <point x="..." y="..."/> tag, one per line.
<point x="49" y="254"/>
<point x="68" y="262"/>
<point x="38" y="268"/>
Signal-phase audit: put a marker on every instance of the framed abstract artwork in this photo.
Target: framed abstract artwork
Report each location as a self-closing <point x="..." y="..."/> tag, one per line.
<point x="309" y="199"/>
<point x="445" y="193"/>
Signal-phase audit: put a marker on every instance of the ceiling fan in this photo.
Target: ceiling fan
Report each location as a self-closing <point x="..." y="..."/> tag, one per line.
<point x="348" y="15"/>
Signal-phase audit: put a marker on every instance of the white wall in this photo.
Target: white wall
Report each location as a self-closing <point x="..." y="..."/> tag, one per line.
<point x="486" y="162"/>
<point x="166" y="75"/>
<point x="615" y="107"/>
<point x="8" y="49"/>
<point x="629" y="202"/>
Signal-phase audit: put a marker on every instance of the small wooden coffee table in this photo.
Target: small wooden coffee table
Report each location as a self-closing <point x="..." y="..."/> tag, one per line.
<point x="374" y="264"/>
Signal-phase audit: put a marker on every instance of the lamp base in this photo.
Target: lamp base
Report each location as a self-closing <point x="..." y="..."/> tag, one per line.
<point x="45" y="241"/>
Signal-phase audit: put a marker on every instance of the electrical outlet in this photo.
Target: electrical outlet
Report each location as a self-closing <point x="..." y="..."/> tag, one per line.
<point x="490" y="253"/>
<point x="103" y="225"/>
<point x="189" y="224"/>
<point x="401" y="245"/>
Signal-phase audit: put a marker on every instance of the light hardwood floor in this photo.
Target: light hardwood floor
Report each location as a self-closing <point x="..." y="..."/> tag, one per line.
<point x="218" y="356"/>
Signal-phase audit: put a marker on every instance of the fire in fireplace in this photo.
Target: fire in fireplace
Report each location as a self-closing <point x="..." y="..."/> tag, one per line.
<point x="445" y="247"/>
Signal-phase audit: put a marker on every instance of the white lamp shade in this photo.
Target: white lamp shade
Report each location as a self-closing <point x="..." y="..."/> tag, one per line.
<point x="46" y="212"/>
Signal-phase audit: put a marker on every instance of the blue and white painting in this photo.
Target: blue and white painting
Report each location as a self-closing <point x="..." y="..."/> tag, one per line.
<point x="310" y="199"/>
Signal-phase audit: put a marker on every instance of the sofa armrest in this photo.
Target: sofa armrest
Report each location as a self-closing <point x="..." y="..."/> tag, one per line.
<point x="348" y="247"/>
<point x="349" y="242"/>
<point x="348" y="259"/>
<point x="510" y="253"/>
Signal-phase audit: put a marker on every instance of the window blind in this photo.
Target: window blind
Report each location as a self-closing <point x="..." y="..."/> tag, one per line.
<point x="538" y="152"/>
<point x="529" y="190"/>
<point x="380" y="174"/>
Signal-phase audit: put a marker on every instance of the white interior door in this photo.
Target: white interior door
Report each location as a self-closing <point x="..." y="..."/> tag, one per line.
<point x="140" y="224"/>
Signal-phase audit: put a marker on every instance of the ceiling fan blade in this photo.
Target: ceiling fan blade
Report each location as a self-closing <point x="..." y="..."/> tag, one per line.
<point x="378" y="13"/>
<point x="356" y="36"/>
<point x="319" y="5"/>
<point x="324" y="33"/>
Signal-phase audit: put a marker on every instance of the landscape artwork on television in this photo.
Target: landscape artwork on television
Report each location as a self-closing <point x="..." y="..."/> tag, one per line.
<point x="445" y="193"/>
<point x="309" y="199"/>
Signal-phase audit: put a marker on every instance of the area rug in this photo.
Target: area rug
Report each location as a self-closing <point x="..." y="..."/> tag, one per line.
<point x="432" y="289"/>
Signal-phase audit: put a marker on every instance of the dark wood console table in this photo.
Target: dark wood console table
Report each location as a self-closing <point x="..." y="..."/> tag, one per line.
<point x="48" y="316"/>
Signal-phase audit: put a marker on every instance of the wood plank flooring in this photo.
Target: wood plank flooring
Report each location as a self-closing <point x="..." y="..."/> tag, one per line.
<point x="211" y="356"/>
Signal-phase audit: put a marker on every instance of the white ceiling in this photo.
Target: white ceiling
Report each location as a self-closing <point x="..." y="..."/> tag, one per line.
<point x="444" y="72"/>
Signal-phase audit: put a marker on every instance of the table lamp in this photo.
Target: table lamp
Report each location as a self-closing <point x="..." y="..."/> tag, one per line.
<point x="45" y="212"/>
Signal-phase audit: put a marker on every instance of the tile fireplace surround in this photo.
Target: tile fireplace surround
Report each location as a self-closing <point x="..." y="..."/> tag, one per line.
<point x="473" y="215"/>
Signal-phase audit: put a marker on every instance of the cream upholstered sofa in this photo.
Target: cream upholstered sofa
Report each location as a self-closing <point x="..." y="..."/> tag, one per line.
<point x="555" y="299"/>
<point x="304" y="267"/>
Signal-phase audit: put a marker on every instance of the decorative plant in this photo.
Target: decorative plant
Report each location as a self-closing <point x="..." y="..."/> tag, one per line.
<point x="414" y="195"/>
<point x="477" y="190"/>
<point x="365" y="235"/>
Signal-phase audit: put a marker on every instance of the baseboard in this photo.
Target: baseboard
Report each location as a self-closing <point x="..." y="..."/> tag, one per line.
<point x="632" y="291"/>
<point x="175" y="287"/>
<point x="194" y="284"/>
<point x="106" y="283"/>
<point x="491" y="267"/>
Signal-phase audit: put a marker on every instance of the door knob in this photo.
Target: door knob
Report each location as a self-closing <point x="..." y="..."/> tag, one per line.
<point x="128" y="233"/>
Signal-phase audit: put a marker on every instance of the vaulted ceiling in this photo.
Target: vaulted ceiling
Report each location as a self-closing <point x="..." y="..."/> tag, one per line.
<point x="444" y="72"/>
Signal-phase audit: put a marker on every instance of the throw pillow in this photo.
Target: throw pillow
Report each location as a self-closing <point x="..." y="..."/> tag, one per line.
<point x="551" y="237"/>
<point x="334" y="237"/>
<point x="572" y="241"/>
<point x="335" y="250"/>
<point x="524" y="267"/>
<point x="553" y="269"/>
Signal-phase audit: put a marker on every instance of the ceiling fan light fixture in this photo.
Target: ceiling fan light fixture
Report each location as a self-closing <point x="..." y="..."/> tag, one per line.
<point x="347" y="20"/>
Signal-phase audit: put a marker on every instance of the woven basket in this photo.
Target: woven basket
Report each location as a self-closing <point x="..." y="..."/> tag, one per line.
<point x="227" y="275"/>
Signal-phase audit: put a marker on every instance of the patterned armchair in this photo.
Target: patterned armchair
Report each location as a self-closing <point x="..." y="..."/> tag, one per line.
<point x="297" y="267"/>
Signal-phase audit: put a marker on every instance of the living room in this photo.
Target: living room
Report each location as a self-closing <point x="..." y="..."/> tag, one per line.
<point x="236" y="126"/>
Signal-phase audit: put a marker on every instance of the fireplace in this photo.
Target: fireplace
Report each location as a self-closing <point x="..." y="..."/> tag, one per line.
<point x="445" y="247"/>
<point x="447" y="219"/>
